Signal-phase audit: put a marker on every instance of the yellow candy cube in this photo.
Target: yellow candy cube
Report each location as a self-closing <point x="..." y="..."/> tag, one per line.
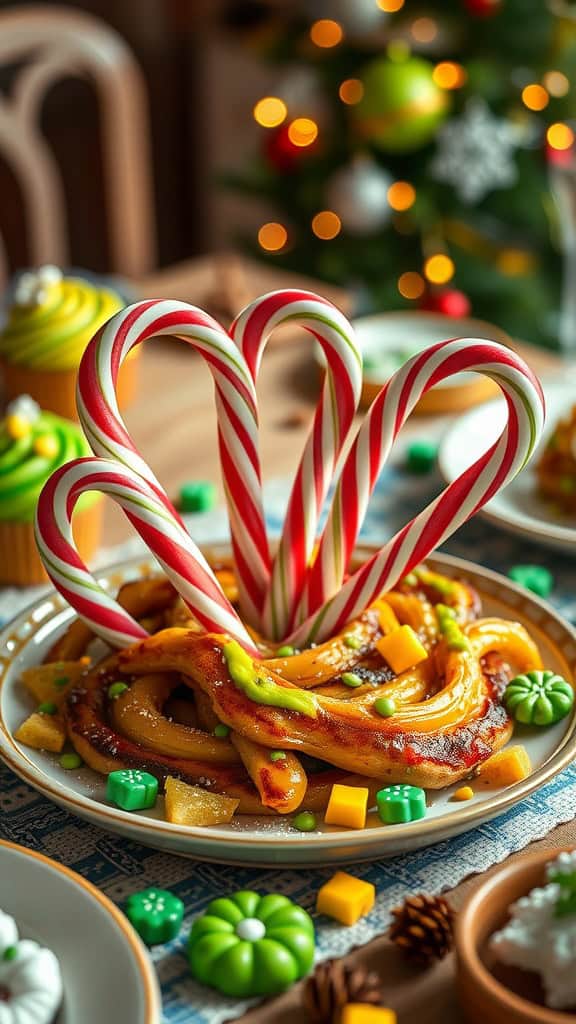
<point x="347" y="806"/>
<point x="42" y="732"/>
<point x="401" y="649"/>
<point x="505" y="768"/>
<point x="362" y="1013"/>
<point x="345" y="898"/>
<point x="463" y="793"/>
<point x="191" y="805"/>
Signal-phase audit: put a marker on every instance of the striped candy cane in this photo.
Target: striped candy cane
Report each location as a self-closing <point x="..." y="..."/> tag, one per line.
<point x="334" y="415"/>
<point x="327" y="606"/>
<point x="237" y="423"/>
<point x="167" y="538"/>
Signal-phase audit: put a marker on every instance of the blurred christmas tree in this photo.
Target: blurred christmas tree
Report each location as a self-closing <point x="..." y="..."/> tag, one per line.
<point x="407" y="150"/>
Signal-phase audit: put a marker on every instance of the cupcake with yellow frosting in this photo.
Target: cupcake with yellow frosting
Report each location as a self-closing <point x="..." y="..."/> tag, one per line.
<point x="50" y="321"/>
<point x="33" y="444"/>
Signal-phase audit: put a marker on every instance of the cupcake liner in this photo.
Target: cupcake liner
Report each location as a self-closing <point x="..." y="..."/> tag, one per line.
<point x="20" y="562"/>
<point x="55" y="390"/>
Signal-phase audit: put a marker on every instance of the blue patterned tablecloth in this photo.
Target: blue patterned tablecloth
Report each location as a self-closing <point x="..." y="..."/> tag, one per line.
<point x="120" y="867"/>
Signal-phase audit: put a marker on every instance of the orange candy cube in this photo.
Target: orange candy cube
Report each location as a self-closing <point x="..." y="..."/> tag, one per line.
<point x="401" y="649"/>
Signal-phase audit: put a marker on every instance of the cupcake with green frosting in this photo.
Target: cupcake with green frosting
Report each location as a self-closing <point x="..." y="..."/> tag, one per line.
<point x="51" y="320"/>
<point x="33" y="444"/>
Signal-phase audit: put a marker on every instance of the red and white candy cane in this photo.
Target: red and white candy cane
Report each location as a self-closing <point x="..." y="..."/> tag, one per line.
<point x="237" y="422"/>
<point x="166" y="537"/>
<point x="326" y="605"/>
<point x="334" y="415"/>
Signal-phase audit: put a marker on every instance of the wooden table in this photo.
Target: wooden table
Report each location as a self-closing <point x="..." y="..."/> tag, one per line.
<point x="173" y="423"/>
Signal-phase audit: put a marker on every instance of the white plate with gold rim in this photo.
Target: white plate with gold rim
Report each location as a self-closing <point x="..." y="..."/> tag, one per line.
<point x="518" y="508"/>
<point x="112" y="978"/>
<point x="266" y="840"/>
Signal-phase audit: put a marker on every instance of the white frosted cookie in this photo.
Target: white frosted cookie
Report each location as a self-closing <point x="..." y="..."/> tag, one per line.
<point x="30" y="978"/>
<point x="540" y="937"/>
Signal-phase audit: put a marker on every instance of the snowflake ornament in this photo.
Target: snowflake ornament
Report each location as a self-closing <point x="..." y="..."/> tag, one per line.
<point x="476" y="153"/>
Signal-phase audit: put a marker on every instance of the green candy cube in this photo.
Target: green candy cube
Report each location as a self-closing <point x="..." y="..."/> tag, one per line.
<point x="421" y="456"/>
<point x="132" y="790"/>
<point x="156" y="914"/>
<point x="197" y="496"/>
<point x="399" y="804"/>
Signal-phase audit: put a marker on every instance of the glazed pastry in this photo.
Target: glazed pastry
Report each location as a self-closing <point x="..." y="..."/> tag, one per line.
<point x="30" y="978"/>
<point x="557" y="466"/>
<point x="50" y="322"/>
<point x="33" y="444"/>
<point x="541" y="933"/>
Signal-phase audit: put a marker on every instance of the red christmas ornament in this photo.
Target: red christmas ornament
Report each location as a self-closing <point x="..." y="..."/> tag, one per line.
<point x="281" y="152"/>
<point x="448" y="302"/>
<point x="482" y="8"/>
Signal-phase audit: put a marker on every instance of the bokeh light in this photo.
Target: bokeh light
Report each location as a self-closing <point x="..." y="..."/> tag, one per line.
<point x="560" y="136"/>
<point x="556" y="82"/>
<point x="326" y="33"/>
<point x="411" y="285"/>
<point x="326" y="224"/>
<point x="401" y="195"/>
<point x="515" y="262"/>
<point x="351" y="91"/>
<point x="390" y="6"/>
<point x="535" y="97"/>
<point x="424" y="30"/>
<point x="303" y="131"/>
<point x="270" y="111"/>
<point x="439" y="269"/>
<point x="449" y="75"/>
<point x="272" y="236"/>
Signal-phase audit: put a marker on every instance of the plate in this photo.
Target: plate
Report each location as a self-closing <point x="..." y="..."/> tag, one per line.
<point x="266" y="840"/>
<point x="518" y="508"/>
<point x="58" y="909"/>
<point x="387" y="340"/>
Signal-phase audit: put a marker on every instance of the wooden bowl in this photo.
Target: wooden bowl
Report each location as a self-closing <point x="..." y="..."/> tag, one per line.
<point x="492" y="993"/>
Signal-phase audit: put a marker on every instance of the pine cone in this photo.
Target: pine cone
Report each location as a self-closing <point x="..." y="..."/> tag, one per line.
<point x="334" y="984"/>
<point x="422" y="928"/>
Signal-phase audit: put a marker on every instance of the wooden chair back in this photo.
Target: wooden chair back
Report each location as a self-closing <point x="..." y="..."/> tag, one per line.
<point x="46" y="44"/>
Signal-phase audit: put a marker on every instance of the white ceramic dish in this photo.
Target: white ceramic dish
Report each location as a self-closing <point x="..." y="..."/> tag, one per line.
<point x="518" y="508"/>
<point x="387" y="340"/>
<point x="106" y="971"/>
<point x="266" y="840"/>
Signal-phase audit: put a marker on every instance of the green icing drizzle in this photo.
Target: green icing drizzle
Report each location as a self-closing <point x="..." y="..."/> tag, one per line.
<point x="455" y="639"/>
<point x="438" y="583"/>
<point x="244" y="675"/>
<point x="23" y="473"/>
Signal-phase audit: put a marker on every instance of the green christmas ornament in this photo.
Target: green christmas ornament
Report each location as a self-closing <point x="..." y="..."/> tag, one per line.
<point x="538" y="698"/>
<point x="401" y="107"/>
<point x="251" y="945"/>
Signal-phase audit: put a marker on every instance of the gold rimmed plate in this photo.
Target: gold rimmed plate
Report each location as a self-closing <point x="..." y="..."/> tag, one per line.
<point x="268" y="840"/>
<point x="59" y="909"/>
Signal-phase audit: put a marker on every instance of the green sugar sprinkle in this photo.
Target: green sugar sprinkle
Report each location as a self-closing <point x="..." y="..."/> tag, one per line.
<point x="71" y="761"/>
<point x="385" y="707"/>
<point x="304" y="822"/>
<point x="116" y="689"/>
<point x="62" y="681"/>
<point x="351" y="679"/>
<point x="277" y="755"/>
<point x="47" y="708"/>
<point x="221" y="730"/>
<point x="285" y="652"/>
<point x="352" y="641"/>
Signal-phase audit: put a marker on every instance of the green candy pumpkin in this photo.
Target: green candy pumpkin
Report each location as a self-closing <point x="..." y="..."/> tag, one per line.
<point x="251" y="945"/>
<point x="538" y="698"/>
